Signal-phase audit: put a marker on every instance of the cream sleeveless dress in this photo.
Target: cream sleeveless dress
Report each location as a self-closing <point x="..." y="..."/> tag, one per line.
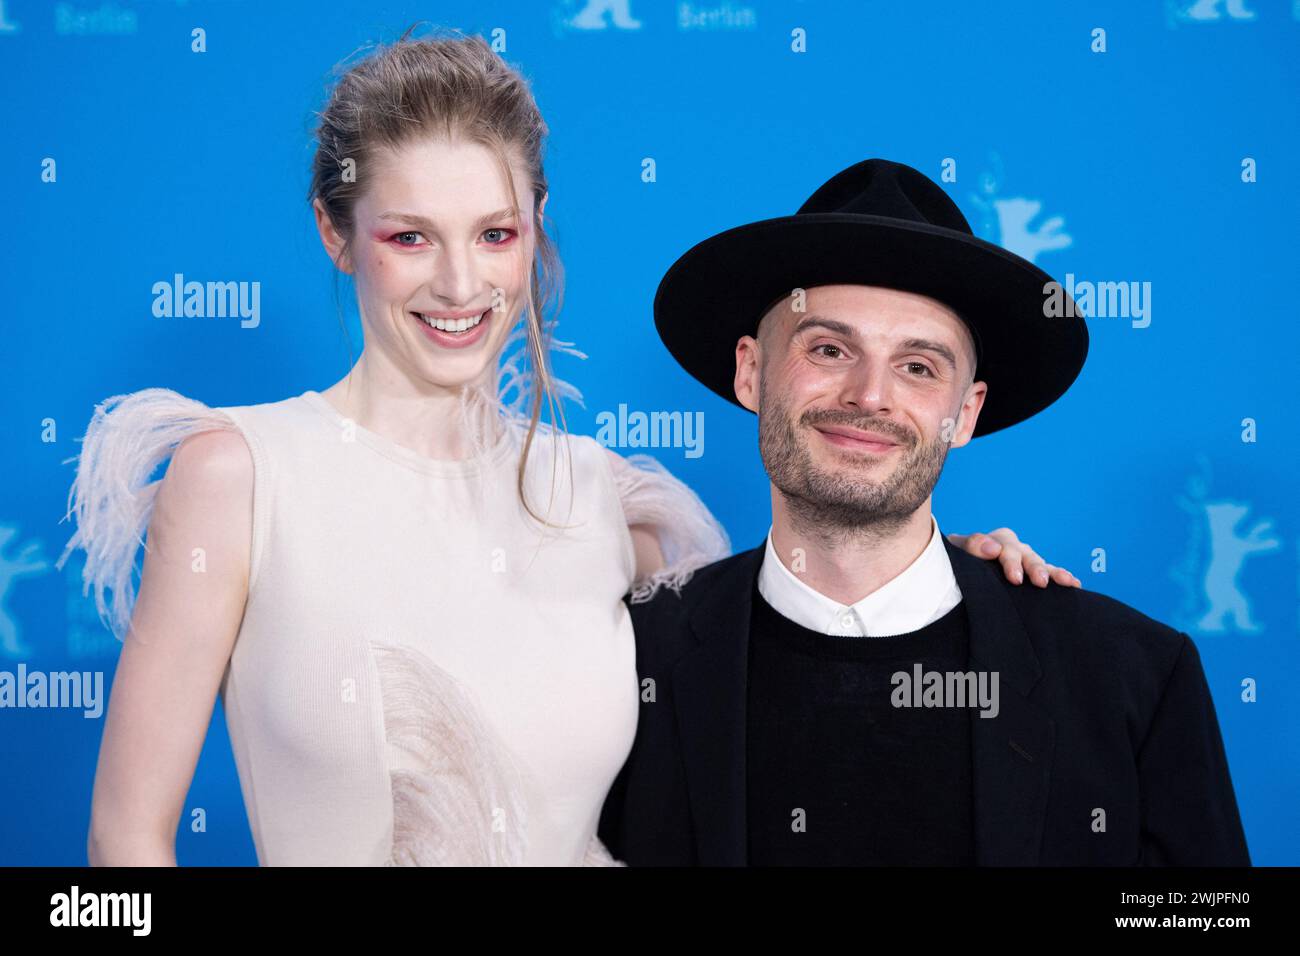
<point x="423" y="675"/>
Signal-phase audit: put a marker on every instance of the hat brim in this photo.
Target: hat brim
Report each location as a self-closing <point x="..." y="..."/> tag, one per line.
<point x="719" y="290"/>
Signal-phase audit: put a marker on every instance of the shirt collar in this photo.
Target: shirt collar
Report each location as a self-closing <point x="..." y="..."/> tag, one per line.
<point x="920" y="594"/>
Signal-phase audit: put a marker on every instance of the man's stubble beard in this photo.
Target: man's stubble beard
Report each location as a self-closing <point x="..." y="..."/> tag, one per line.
<point x="844" y="505"/>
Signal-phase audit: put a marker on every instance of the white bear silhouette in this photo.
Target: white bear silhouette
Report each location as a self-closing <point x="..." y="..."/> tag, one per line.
<point x="28" y="561"/>
<point x="1014" y="217"/>
<point x="1228" y="552"/>
<point x="592" y="16"/>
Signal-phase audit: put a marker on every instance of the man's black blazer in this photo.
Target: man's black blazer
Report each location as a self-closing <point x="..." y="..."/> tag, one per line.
<point x="1101" y="707"/>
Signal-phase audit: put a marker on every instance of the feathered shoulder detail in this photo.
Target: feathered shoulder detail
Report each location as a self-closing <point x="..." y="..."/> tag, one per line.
<point x="112" y="496"/>
<point x="689" y="536"/>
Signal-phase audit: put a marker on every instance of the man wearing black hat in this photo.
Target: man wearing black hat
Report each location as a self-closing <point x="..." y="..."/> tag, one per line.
<point x="857" y="690"/>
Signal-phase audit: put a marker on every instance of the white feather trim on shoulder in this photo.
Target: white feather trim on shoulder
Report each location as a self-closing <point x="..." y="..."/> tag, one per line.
<point x="128" y="437"/>
<point x="688" y="534"/>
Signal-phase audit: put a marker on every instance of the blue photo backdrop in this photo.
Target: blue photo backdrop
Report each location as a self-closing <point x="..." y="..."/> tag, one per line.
<point x="1141" y="149"/>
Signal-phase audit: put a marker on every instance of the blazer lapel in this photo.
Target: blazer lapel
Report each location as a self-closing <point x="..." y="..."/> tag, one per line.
<point x="1012" y="752"/>
<point x="709" y="687"/>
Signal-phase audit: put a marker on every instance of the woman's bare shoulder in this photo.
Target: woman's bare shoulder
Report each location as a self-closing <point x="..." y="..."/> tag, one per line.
<point x="216" y="463"/>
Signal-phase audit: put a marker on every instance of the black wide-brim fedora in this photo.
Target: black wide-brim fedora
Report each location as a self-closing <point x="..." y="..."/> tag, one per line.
<point x="877" y="223"/>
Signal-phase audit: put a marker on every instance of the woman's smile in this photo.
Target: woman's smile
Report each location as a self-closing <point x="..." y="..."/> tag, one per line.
<point x="453" y="333"/>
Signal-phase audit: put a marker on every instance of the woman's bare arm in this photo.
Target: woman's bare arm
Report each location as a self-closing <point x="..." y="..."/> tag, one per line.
<point x="649" y="555"/>
<point x="193" y="587"/>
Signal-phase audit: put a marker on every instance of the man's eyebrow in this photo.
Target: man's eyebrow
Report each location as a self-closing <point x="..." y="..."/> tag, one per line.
<point x="821" y="321"/>
<point x="424" y="223"/>
<point x="848" y="332"/>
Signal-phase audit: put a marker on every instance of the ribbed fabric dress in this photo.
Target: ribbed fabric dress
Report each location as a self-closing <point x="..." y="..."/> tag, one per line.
<point x="424" y="675"/>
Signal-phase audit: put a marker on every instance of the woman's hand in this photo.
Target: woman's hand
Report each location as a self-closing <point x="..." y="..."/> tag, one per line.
<point x="1018" y="558"/>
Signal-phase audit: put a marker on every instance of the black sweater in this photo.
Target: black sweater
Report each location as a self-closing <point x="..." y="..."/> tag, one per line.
<point x="838" y="775"/>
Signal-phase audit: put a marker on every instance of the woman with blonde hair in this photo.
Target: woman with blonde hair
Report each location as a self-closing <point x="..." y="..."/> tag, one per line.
<point x="407" y="589"/>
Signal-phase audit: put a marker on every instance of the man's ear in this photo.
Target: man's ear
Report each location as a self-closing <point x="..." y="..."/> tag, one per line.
<point x="747" y="371"/>
<point x="969" y="413"/>
<point x="330" y="237"/>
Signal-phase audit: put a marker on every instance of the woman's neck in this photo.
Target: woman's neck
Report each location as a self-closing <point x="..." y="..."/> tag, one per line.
<point x="425" y="418"/>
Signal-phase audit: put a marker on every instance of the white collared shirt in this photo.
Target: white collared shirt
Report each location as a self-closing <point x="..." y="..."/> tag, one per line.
<point x="920" y="594"/>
